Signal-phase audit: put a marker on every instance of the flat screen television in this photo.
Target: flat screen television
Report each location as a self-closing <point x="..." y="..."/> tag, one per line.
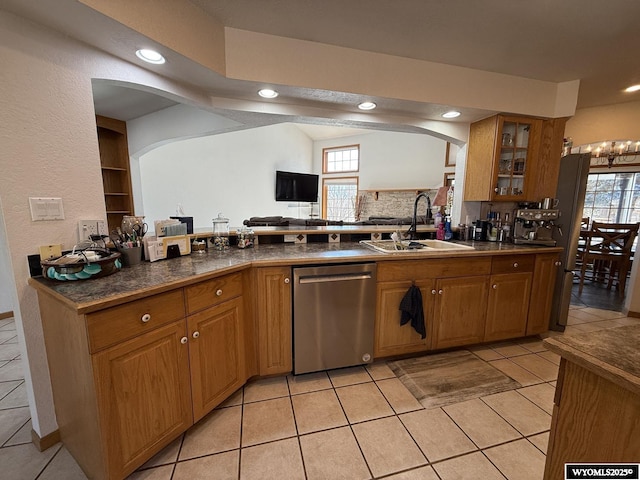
<point x="296" y="187"/>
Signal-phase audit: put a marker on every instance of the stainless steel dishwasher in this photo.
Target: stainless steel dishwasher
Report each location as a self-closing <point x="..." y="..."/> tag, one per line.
<point x="333" y="316"/>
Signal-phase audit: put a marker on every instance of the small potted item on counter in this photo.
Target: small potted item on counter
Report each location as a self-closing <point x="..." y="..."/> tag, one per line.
<point x="199" y="246"/>
<point x="245" y="237"/>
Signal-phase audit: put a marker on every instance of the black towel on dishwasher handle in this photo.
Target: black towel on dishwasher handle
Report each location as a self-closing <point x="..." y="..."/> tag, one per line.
<point x="411" y="308"/>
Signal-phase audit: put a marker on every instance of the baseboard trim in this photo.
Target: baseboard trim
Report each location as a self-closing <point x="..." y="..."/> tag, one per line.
<point x="45" y="442"/>
<point x="6" y="315"/>
<point x="633" y="314"/>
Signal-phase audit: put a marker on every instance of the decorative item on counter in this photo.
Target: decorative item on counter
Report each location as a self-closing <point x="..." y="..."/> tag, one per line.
<point x="81" y="264"/>
<point x="199" y="246"/>
<point x="180" y="216"/>
<point x="129" y="222"/>
<point x="440" y="231"/>
<point x="245" y="237"/>
<point x="221" y="232"/>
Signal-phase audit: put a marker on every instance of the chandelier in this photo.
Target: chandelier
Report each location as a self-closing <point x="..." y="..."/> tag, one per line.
<point x="610" y="153"/>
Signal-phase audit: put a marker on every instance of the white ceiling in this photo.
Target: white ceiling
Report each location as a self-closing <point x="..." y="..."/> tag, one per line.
<point x="590" y="40"/>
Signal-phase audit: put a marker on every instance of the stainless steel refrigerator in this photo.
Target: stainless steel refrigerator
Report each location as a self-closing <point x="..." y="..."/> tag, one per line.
<point x="572" y="185"/>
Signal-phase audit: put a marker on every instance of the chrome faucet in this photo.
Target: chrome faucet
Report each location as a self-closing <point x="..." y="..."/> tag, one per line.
<point x="412" y="233"/>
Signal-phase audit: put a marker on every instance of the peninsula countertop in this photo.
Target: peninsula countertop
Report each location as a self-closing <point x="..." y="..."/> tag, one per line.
<point x="612" y="353"/>
<point x="147" y="278"/>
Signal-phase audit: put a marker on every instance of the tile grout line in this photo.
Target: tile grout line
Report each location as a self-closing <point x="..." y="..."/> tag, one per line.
<point x="295" y="424"/>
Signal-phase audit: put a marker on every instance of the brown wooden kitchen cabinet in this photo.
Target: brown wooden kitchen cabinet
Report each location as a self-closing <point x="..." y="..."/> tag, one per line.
<point x="273" y="310"/>
<point x="390" y="337"/>
<point x="454" y="303"/>
<point x="513" y="158"/>
<point x="216" y="354"/>
<point x="460" y="311"/>
<point x="143" y="396"/>
<point x="509" y="292"/>
<point x="544" y="281"/>
<point x="129" y="379"/>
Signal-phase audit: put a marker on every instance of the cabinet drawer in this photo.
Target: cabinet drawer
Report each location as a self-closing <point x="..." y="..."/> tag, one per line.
<point x="212" y="292"/>
<point x="398" y="271"/>
<point x="113" y="325"/>
<point x="513" y="263"/>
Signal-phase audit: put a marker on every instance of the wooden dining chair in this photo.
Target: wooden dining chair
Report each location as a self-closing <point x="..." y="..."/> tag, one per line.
<point x="608" y="250"/>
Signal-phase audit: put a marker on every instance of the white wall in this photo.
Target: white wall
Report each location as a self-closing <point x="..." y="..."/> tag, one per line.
<point x="233" y="173"/>
<point x="49" y="148"/>
<point x="392" y="159"/>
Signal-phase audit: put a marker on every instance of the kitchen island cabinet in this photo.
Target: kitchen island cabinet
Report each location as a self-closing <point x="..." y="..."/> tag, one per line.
<point x="160" y="347"/>
<point x="273" y="299"/>
<point x="596" y="413"/>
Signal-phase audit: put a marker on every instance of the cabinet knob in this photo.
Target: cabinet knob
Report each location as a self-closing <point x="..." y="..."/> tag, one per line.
<point x="145" y="318"/>
<point x="433" y="292"/>
<point x="286" y="280"/>
<point x="558" y="263"/>
<point x="494" y="286"/>
<point x="495" y="189"/>
<point x="196" y="334"/>
<point x="440" y="292"/>
<point x="515" y="264"/>
<point x="219" y="292"/>
<point x="184" y="340"/>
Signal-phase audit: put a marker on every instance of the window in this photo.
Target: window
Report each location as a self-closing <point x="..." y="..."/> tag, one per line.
<point x="341" y="159"/>
<point x="339" y="198"/>
<point x="613" y="197"/>
<point x="339" y="194"/>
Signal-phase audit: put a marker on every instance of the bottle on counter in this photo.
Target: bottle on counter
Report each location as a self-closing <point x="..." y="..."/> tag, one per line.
<point x="437" y="220"/>
<point x="440" y="231"/>
<point x="448" y="234"/>
<point x="506" y="229"/>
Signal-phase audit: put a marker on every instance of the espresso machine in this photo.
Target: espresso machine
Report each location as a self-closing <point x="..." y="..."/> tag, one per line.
<point x="534" y="226"/>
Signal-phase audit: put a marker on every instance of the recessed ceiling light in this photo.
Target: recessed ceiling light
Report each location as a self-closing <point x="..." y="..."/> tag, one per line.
<point x="367" y="106"/>
<point x="150" y="56"/>
<point x="267" y="93"/>
<point x="451" y="114"/>
<point x="632" y="88"/>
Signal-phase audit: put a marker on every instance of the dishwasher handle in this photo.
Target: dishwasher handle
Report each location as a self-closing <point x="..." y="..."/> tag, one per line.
<point x="335" y="278"/>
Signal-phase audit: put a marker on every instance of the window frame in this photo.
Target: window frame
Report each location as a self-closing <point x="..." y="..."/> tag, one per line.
<point x="329" y="180"/>
<point x="326" y="150"/>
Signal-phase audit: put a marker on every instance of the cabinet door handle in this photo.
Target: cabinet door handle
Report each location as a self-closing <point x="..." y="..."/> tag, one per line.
<point x="494" y="286"/>
<point x="515" y="264"/>
<point x="558" y="264"/>
<point x="196" y="334"/>
<point x="184" y="340"/>
<point x="219" y="292"/>
<point x="145" y="318"/>
<point x="433" y="292"/>
<point x="440" y="292"/>
<point x="286" y="280"/>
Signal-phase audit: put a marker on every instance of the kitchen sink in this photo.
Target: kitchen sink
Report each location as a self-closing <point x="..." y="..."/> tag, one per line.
<point x="413" y="246"/>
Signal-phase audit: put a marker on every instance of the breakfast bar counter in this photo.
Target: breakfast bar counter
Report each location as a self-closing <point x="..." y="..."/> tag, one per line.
<point x="596" y="416"/>
<point x="148" y="278"/>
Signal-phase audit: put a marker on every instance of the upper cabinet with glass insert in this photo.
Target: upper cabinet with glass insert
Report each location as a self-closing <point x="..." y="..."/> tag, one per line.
<point x="502" y="157"/>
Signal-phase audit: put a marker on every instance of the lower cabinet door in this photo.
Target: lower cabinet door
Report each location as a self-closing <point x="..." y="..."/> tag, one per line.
<point x="143" y="394"/>
<point x="460" y="311"/>
<point x="542" y="289"/>
<point x="216" y="355"/>
<point x="508" y="306"/>
<point x="391" y="338"/>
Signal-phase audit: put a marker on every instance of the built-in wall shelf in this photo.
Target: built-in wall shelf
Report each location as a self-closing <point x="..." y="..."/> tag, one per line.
<point x="114" y="162"/>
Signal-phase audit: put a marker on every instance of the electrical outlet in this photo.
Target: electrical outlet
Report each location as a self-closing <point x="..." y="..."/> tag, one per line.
<point x="91" y="227"/>
<point x="50" y="251"/>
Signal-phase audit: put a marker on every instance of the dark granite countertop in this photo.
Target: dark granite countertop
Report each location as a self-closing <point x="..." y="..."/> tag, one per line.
<point x="150" y="278"/>
<point x="612" y="353"/>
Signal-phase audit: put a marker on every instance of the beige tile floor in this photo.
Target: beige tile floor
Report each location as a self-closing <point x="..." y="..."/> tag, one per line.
<point x="354" y="423"/>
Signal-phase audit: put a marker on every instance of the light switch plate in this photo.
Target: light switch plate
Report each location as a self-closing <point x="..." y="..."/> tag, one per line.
<point x="50" y="251"/>
<point x="46" y="208"/>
